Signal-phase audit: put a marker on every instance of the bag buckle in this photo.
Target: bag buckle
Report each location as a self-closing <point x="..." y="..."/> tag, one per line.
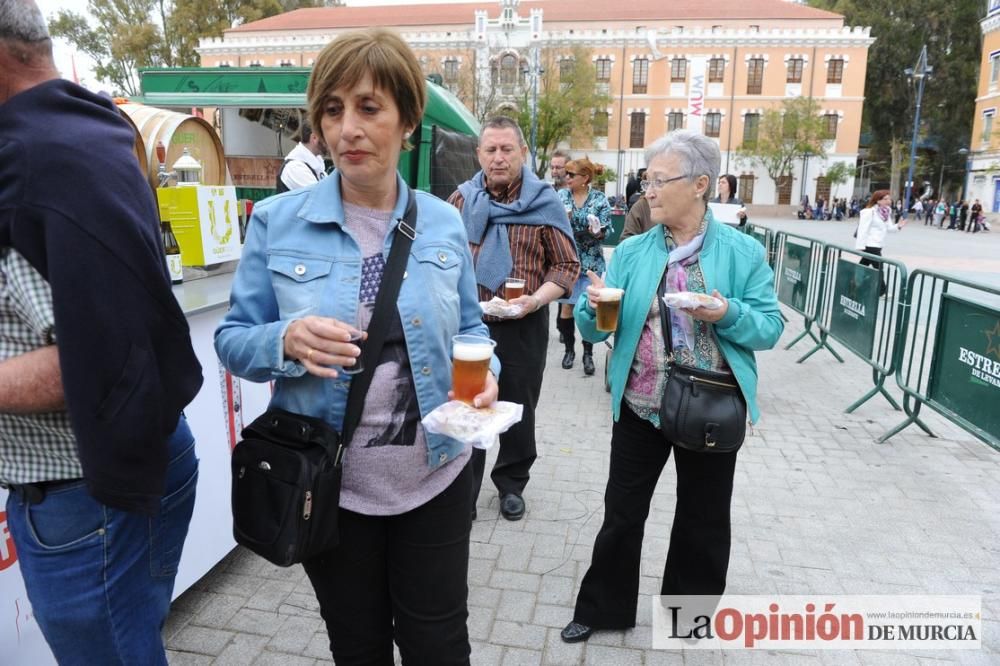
<point x="709" y="439"/>
<point x="406" y="230"/>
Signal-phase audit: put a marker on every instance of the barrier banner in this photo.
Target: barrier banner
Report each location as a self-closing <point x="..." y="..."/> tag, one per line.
<point x="965" y="371"/>
<point x="855" y="306"/>
<point x="793" y="284"/>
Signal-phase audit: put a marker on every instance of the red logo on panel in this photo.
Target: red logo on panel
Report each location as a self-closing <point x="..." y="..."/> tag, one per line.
<point x="7" y="553"/>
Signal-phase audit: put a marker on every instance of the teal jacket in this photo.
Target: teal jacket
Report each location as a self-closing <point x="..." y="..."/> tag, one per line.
<point x="731" y="262"/>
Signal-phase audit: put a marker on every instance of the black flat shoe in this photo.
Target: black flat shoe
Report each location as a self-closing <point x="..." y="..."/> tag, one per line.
<point x="568" y="359"/>
<point x="511" y="506"/>
<point x="574" y="632"/>
<point x="588" y="364"/>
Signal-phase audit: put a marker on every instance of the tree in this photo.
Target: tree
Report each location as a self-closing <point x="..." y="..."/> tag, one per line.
<point x="838" y="174"/>
<point x="950" y="29"/>
<point x="784" y="135"/>
<point x="132" y="34"/>
<point x="567" y="97"/>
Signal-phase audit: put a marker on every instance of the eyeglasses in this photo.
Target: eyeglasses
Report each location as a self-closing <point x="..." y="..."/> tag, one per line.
<point x="571" y="174"/>
<point x="658" y="183"/>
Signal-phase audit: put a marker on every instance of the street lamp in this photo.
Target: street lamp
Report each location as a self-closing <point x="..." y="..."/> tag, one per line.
<point x="534" y="71"/>
<point x="920" y="71"/>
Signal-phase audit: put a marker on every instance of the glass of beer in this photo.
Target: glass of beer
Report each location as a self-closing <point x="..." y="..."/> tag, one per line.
<point x="471" y="356"/>
<point x="513" y="288"/>
<point x="609" y="303"/>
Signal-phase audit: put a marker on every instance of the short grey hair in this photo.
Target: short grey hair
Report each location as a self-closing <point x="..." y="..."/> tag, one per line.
<point x="499" y="122"/>
<point x="698" y="154"/>
<point x="23" y="32"/>
<point x="22" y="21"/>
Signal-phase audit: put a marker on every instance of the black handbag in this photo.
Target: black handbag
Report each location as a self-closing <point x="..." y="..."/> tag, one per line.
<point x="701" y="410"/>
<point x="288" y="467"/>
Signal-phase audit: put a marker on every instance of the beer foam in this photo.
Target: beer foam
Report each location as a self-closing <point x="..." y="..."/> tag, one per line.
<point x="462" y="351"/>
<point x="611" y="294"/>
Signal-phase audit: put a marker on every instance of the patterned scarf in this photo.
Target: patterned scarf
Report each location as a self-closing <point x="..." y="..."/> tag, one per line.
<point x="680" y="257"/>
<point x="883" y="212"/>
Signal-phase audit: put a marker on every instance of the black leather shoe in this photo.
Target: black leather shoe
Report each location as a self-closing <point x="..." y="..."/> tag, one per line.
<point x="588" y="364"/>
<point x="568" y="359"/>
<point x="574" y="632"/>
<point x="511" y="506"/>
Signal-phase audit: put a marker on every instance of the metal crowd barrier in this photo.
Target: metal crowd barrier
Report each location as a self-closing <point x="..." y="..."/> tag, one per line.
<point x="854" y="312"/>
<point x="799" y="278"/>
<point x="948" y="356"/>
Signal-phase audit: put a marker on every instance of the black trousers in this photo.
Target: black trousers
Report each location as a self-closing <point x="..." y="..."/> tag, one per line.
<point x="877" y="251"/>
<point x="401" y="577"/>
<point x="521" y="348"/>
<point x="698" y="555"/>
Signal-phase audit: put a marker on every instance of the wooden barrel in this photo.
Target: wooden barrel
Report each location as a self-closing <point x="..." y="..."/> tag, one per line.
<point x="140" y="145"/>
<point x="178" y="131"/>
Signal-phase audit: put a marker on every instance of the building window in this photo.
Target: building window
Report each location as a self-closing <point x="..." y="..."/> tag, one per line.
<point x="566" y="70"/>
<point x="716" y="70"/>
<point x="746" y="188"/>
<point x="835" y="71"/>
<point x="994" y="70"/>
<point x="755" y="76"/>
<point x="640" y="76"/>
<point x="678" y="70"/>
<point x="600" y="123"/>
<point x="830" y="122"/>
<point x="794" y="70"/>
<point x="751" y="122"/>
<point x="675" y="121"/>
<point x="713" y="124"/>
<point x="255" y="63"/>
<point x="603" y="66"/>
<point x="987" y="127"/>
<point x="450" y="69"/>
<point x="637" y="132"/>
<point x="286" y="63"/>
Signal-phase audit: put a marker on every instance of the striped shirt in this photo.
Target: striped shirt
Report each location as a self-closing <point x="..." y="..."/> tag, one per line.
<point x="541" y="253"/>
<point x="33" y="447"/>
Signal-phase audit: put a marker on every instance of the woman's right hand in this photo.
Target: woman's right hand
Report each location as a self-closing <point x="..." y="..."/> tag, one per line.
<point x="594" y="289"/>
<point x="320" y="342"/>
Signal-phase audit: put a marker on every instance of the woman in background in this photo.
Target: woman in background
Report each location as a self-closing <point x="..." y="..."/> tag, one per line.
<point x="874" y="223"/>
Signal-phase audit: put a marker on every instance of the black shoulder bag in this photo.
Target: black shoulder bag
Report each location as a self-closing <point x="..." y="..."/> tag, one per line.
<point x="287" y="469"/>
<point x="701" y="410"/>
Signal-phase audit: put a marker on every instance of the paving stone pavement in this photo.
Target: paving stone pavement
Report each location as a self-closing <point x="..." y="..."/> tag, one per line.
<point x="818" y="507"/>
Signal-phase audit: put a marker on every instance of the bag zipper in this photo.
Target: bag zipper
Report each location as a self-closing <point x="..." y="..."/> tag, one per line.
<point x="307" y="507"/>
<point x="712" y="382"/>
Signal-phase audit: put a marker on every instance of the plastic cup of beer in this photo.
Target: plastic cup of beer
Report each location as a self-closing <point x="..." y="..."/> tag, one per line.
<point x="513" y="288"/>
<point x="471" y="356"/>
<point x="609" y="303"/>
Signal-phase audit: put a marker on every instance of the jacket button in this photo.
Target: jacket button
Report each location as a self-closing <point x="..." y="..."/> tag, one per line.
<point x="300" y="269"/>
<point x="416" y="321"/>
<point x="443" y="457"/>
<point x="442" y="257"/>
<point x="425" y="370"/>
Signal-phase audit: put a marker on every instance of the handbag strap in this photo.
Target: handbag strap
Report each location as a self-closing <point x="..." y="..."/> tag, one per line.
<point x="661" y="306"/>
<point x="385" y="302"/>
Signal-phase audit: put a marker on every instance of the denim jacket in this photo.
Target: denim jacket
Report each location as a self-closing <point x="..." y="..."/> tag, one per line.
<point x="300" y="260"/>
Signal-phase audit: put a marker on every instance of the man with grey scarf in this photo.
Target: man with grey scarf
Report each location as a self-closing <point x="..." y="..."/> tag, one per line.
<point x="517" y="228"/>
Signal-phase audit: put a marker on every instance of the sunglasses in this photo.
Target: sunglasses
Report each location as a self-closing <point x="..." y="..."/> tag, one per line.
<point x="571" y="174"/>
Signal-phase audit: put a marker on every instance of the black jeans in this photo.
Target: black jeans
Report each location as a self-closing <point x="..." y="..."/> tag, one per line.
<point x="877" y="251"/>
<point x="698" y="555"/>
<point x="521" y="348"/>
<point x="401" y="577"/>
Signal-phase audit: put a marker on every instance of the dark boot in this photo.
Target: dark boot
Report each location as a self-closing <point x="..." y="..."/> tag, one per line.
<point x="567" y="329"/>
<point x="588" y="358"/>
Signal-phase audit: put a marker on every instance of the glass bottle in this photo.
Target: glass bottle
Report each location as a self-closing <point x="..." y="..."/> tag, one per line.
<point x="172" y="249"/>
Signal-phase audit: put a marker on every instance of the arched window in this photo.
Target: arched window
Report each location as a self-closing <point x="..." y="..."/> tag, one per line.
<point x="508" y="70"/>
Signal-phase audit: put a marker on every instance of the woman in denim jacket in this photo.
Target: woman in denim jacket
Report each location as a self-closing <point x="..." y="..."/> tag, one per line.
<point x="310" y="271"/>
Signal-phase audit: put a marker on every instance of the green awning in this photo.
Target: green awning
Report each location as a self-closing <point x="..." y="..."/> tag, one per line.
<point x="241" y="100"/>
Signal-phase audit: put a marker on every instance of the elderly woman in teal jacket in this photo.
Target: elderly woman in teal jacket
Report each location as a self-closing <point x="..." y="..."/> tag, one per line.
<point x="690" y="251"/>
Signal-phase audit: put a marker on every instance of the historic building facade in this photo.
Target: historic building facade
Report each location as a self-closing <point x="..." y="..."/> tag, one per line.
<point x="709" y="66"/>
<point x="982" y="178"/>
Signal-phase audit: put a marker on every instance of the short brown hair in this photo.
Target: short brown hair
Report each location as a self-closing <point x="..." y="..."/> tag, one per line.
<point x="379" y="52"/>
<point x="877" y="196"/>
<point x="585" y="167"/>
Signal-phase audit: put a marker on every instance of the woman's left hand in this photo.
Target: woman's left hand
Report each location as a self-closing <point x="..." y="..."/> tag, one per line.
<point x="489" y="394"/>
<point x="702" y="313"/>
